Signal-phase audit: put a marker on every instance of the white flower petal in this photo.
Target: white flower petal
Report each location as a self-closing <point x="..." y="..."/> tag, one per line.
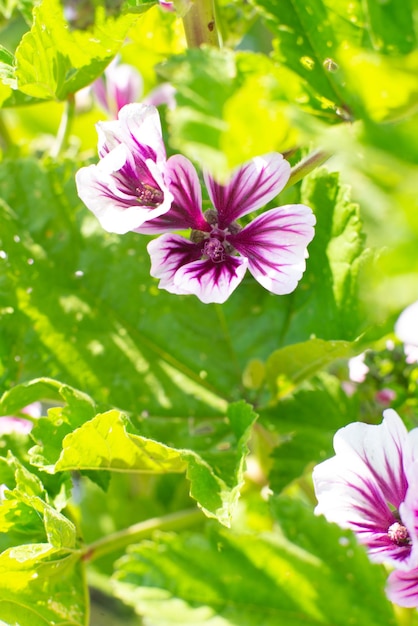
<point x="406" y="327"/>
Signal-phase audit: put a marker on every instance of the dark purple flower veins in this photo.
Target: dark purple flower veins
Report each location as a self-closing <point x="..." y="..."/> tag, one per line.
<point x="136" y="180"/>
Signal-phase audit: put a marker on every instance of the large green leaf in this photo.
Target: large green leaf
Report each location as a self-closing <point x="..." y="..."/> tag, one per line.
<point x="53" y="62"/>
<point x="328" y="302"/>
<point x="42" y="585"/>
<point x="78" y="305"/>
<point x="215" y="469"/>
<point x="228" y="578"/>
<point x="311" y="52"/>
<point x="314" y="52"/>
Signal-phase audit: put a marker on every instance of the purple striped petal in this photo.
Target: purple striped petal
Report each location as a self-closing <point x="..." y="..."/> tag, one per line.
<point x="186" y="209"/>
<point x="168" y="254"/>
<point x="275" y="246"/>
<point x="120" y="85"/>
<point x="212" y="282"/>
<point x="110" y="190"/>
<point x="402" y="588"/>
<point x="138" y="127"/>
<point x="364" y="484"/>
<point x="177" y="263"/>
<point x="251" y="187"/>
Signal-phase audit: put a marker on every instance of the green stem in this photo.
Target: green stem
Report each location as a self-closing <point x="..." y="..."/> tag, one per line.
<point x="307" y="165"/>
<point x="143" y="530"/>
<point x="5" y="138"/>
<point x="65" y="127"/>
<point x="404" y="617"/>
<point x="200" y="24"/>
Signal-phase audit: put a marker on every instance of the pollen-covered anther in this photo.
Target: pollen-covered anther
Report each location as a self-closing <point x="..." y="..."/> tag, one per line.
<point x="197" y="236"/>
<point x="149" y="196"/>
<point x="211" y="216"/>
<point x="234" y="228"/>
<point x="399" y="534"/>
<point x="214" y="250"/>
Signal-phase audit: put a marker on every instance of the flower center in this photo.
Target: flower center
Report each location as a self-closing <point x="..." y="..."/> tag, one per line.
<point x="214" y="249"/>
<point x="399" y="534"/>
<point x="148" y="195"/>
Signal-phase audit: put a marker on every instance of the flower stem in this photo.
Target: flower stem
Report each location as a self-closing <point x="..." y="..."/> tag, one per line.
<point x="404" y="617"/>
<point x="307" y="165"/>
<point x="64" y="127"/>
<point x="143" y="530"/>
<point x="5" y="139"/>
<point x="200" y="24"/>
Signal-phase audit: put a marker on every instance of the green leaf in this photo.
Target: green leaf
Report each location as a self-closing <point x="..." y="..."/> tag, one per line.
<point x="386" y="87"/>
<point x="42" y="585"/>
<point x="204" y="80"/>
<point x="46" y="389"/>
<point x="306" y="422"/>
<point x="62" y="272"/>
<point x="228" y="578"/>
<point x="287" y="367"/>
<point x="215" y="469"/>
<point x="327" y="303"/>
<point x="104" y="443"/>
<point x="26" y="509"/>
<point x="53" y="62"/>
<point x="138" y="6"/>
<point x="391" y="25"/>
<point x="311" y="51"/>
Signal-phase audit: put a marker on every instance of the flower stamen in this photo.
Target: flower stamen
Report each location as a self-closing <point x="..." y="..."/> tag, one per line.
<point x="148" y="195"/>
<point x="214" y="250"/>
<point x="398" y="533"/>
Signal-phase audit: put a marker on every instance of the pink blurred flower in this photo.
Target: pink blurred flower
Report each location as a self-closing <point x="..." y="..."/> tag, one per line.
<point x="385" y="396"/>
<point x="122" y="84"/>
<point x="11" y="424"/>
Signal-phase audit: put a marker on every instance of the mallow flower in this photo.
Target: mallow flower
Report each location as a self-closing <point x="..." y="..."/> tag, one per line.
<point x="369" y="486"/>
<point x="122" y="84"/>
<point x="128" y="185"/>
<point x="213" y="261"/>
<point x="406" y="329"/>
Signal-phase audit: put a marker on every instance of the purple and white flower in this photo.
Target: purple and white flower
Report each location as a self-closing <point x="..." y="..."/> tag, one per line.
<point x="122" y="84"/>
<point x="406" y="329"/>
<point x="214" y="260"/>
<point x="369" y="486"/>
<point x="128" y="186"/>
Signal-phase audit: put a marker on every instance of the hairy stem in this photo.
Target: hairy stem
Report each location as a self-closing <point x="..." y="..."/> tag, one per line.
<point x="143" y="530"/>
<point x="307" y="165"/>
<point x="65" y="127"/>
<point x="200" y="24"/>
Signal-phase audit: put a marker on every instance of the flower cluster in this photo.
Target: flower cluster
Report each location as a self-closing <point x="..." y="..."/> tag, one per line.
<point x="134" y="187"/>
<point x="370" y="487"/>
